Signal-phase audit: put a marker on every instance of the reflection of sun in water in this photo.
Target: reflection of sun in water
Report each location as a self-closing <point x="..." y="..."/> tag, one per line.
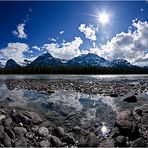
<point x="104" y="129"/>
<point x="103" y="18"/>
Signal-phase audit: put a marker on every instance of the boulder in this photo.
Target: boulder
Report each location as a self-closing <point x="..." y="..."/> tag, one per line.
<point x="131" y="99"/>
<point x="127" y="124"/>
<point x="27" y="117"/>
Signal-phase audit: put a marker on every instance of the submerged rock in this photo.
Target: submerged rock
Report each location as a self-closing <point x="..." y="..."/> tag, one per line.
<point x="131" y="99"/>
<point x="27" y="117"/>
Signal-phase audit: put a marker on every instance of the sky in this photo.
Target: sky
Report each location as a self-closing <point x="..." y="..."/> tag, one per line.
<point x="66" y="29"/>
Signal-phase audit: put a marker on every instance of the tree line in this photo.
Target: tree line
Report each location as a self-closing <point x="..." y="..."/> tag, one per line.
<point x="73" y="70"/>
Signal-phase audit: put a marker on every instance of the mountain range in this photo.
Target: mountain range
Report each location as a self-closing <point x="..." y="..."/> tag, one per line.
<point x="85" y="60"/>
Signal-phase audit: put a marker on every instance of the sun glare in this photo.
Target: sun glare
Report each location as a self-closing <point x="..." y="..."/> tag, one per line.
<point x="103" y="18"/>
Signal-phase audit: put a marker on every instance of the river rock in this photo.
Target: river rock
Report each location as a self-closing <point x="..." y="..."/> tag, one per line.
<point x="7" y="122"/>
<point x="2" y="117"/>
<point x="92" y="140"/>
<point x="77" y="130"/>
<point x="43" y="131"/>
<point x="127" y="124"/>
<point x="108" y="143"/>
<point x="7" y="140"/>
<point x="59" y="131"/>
<point x="27" y="117"/>
<point x="35" y="129"/>
<point x="10" y="132"/>
<point x="115" y="132"/>
<point x="44" y="143"/>
<point x="113" y="95"/>
<point x="68" y="139"/>
<point x="1" y="131"/>
<point x="121" y="141"/>
<point x="131" y="99"/>
<point x="29" y="135"/>
<point x="140" y="142"/>
<point x="21" y="142"/>
<point x="144" y="120"/>
<point x="56" y="142"/>
<point x="20" y="131"/>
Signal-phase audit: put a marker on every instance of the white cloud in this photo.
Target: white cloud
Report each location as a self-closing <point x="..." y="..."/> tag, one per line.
<point x="14" y="51"/>
<point x="36" y="47"/>
<point x="89" y="31"/>
<point x="20" y="32"/>
<point x="129" y="45"/>
<point x="61" y="32"/>
<point x="66" y="50"/>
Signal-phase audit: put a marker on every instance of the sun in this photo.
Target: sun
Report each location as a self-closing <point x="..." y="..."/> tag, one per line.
<point x="103" y="18"/>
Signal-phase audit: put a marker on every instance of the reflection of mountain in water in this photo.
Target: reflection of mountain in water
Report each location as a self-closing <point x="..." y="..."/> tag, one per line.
<point x="10" y="84"/>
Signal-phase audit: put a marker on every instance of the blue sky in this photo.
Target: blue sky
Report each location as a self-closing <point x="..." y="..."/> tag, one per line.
<point x="68" y="29"/>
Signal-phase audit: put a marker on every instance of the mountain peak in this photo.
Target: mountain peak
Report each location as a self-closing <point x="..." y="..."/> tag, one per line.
<point x="45" y="59"/>
<point x="11" y="64"/>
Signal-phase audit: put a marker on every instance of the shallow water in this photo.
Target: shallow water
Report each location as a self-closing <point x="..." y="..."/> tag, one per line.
<point x="70" y="106"/>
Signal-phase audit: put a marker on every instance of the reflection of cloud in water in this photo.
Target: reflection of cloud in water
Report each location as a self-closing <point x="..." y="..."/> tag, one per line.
<point x="66" y="98"/>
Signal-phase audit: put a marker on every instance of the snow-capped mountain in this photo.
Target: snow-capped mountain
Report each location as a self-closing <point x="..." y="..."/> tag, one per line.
<point x="121" y="63"/>
<point x="90" y="59"/>
<point x="45" y="60"/>
<point x="25" y="62"/>
<point x="12" y="64"/>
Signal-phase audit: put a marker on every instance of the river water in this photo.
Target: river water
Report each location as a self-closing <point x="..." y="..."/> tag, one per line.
<point x="70" y="107"/>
